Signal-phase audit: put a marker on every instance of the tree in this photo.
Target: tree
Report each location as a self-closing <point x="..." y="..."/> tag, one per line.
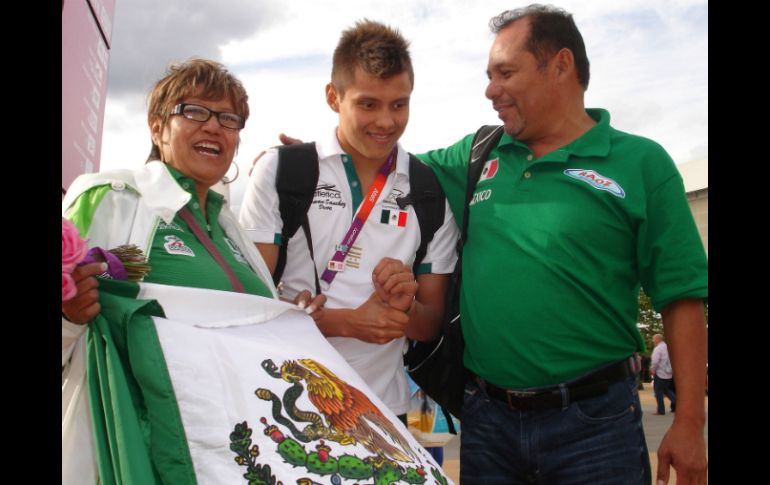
<point x="648" y="321"/>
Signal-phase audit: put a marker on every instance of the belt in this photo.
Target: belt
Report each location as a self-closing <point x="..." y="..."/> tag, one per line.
<point x="592" y="384"/>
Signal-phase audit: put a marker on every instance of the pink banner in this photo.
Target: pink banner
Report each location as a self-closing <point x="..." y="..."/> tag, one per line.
<point x="85" y="59"/>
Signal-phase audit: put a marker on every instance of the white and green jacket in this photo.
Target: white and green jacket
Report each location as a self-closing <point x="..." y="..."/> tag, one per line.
<point x="110" y="209"/>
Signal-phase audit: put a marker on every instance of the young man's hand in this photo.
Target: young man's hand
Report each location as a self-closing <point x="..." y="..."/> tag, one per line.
<point x="394" y="283"/>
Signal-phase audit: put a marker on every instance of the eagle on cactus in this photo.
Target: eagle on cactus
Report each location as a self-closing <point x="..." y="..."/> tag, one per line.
<point x="352" y="415"/>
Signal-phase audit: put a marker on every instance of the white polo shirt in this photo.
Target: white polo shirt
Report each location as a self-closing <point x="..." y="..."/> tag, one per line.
<point x="337" y="197"/>
<point x="660" y="363"/>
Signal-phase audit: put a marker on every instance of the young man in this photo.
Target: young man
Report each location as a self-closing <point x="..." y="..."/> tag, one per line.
<point x="373" y="300"/>
<point x="576" y="215"/>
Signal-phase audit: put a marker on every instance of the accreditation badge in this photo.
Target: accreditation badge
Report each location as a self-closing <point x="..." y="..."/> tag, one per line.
<point x="336" y="266"/>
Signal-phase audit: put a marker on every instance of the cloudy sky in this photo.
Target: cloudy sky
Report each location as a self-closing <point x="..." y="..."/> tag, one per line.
<point x="649" y="66"/>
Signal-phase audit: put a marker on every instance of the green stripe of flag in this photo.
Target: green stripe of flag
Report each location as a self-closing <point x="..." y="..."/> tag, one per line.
<point x="138" y="430"/>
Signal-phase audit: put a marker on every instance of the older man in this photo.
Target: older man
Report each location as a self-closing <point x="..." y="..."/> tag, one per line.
<point x="573" y="216"/>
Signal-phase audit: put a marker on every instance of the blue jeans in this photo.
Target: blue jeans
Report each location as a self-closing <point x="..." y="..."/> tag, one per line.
<point x="662" y="387"/>
<point x="597" y="441"/>
<point x="437" y="452"/>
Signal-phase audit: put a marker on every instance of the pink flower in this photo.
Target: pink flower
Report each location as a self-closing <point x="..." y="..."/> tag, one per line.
<point x="73" y="250"/>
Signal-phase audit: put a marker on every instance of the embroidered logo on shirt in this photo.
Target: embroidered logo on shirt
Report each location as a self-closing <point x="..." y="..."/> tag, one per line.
<point x="394" y="217"/>
<point x="489" y="170"/>
<point x="481" y="196"/>
<point x="171" y="225"/>
<point x="390" y="200"/>
<point x="596" y="180"/>
<point x="327" y="197"/>
<point x="236" y="252"/>
<point x="174" y="245"/>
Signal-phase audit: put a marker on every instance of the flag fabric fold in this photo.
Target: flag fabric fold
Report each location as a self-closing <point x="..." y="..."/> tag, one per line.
<point x="203" y="386"/>
<point x="119" y="420"/>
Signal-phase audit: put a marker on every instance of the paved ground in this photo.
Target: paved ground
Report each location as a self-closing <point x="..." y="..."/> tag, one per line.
<point x="654" y="429"/>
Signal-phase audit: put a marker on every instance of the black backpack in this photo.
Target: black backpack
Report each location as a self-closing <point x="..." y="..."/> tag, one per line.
<point x="437" y="366"/>
<point x="296" y="181"/>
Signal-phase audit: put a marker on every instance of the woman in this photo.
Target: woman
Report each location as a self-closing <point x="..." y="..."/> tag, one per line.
<point x="167" y="207"/>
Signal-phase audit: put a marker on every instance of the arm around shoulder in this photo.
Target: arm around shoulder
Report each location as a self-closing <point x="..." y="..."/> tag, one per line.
<point x="259" y="215"/>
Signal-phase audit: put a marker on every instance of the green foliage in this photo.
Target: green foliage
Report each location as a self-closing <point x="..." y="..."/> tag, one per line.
<point x="648" y="321"/>
<point x="384" y="472"/>
<point x="354" y="468"/>
<point x="292" y="452"/>
<point x="316" y="465"/>
<point x="246" y="454"/>
<point x="414" y="477"/>
<point x="440" y="479"/>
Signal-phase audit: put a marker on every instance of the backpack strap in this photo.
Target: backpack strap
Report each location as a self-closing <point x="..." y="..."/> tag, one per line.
<point x="427" y="197"/>
<point x="295" y="183"/>
<point x="437" y="366"/>
<point x="485" y="139"/>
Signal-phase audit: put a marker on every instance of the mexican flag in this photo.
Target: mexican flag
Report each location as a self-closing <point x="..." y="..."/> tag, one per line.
<point x="187" y="386"/>
<point x="489" y="170"/>
<point x="393" y="217"/>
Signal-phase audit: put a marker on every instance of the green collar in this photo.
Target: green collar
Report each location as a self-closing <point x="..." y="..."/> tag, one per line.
<point x="593" y="143"/>
<point x="188" y="185"/>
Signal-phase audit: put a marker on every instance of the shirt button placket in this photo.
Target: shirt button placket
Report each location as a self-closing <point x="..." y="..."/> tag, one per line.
<point x="527" y="175"/>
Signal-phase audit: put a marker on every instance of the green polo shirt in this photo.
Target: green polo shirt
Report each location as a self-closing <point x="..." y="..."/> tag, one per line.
<point x="178" y="258"/>
<point x="558" y="246"/>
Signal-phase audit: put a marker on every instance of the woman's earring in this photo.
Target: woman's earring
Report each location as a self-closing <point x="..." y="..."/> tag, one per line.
<point x="227" y="180"/>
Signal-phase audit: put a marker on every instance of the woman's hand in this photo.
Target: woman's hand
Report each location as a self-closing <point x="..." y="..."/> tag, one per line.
<point x="313" y="306"/>
<point x="84" y="306"/>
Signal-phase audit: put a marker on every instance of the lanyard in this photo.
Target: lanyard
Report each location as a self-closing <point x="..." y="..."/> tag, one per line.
<point x="337" y="263"/>
<point x="209" y="245"/>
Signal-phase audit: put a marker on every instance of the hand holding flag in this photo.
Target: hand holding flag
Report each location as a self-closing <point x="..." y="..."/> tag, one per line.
<point x="80" y="266"/>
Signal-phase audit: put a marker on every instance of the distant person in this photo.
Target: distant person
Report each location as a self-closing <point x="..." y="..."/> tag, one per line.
<point x="663" y="375"/>
<point x="644" y="372"/>
<point x="375" y="300"/>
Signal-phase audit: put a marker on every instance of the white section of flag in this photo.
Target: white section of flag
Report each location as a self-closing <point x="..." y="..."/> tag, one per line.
<point x="215" y="360"/>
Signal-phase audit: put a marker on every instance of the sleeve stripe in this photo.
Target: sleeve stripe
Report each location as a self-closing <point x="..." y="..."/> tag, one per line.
<point x="82" y="211"/>
<point x="424" y="268"/>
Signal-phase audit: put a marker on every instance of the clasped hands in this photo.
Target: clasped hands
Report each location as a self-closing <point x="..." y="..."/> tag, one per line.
<point x="384" y="316"/>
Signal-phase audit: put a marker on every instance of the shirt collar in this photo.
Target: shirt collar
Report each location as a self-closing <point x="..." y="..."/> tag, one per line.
<point x="162" y="190"/>
<point x="596" y="141"/>
<point x="593" y="143"/>
<point x="330" y="147"/>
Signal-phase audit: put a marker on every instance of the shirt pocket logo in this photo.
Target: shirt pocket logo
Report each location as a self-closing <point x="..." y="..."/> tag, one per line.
<point x="596" y="180"/>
